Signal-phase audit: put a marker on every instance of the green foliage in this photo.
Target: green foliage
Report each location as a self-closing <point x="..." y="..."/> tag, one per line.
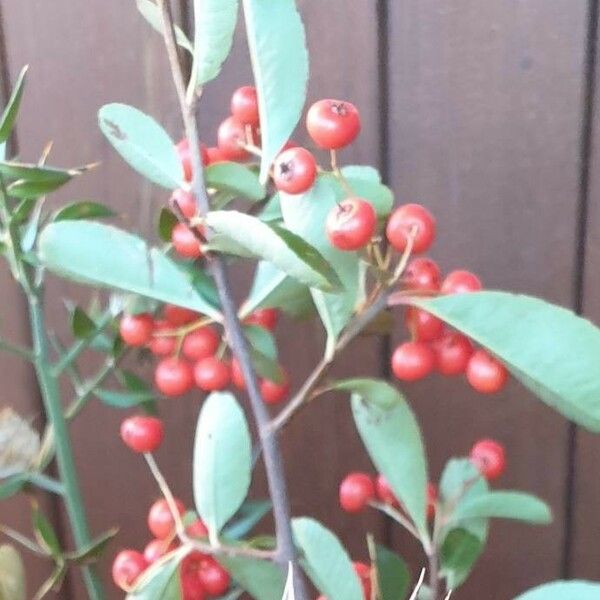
<point x="365" y="182"/>
<point x="549" y="349"/>
<point x="82" y="210"/>
<point x="7" y="120"/>
<point x="326" y="561"/>
<point x="563" y="590"/>
<point x="262" y="579"/>
<point x="222" y="460"/>
<point x="376" y="391"/>
<point x="214" y="25"/>
<point x="392" y="574"/>
<point x="263" y="352"/>
<point x="44" y="533"/>
<point x="93" y="253"/>
<point x="393" y="440"/>
<point x="142" y="143"/>
<point x="279" y="57"/>
<point x="250" y="514"/>
<point x="242" y="234"/>
<point x="161" y="580"/>
<point x="150" y="11"/>
<point x="93" y="551"/>
<point x="234" y="179"/>
<point x="166" y="223"/>
<point x="12" y="574"/>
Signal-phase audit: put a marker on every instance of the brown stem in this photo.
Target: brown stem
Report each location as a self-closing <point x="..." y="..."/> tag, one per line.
<point x="434" y="580"/>
<point x="286" y="551"/>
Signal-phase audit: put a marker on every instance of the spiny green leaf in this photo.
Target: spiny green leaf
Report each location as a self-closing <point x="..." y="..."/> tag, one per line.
<point x="7" y="120"/>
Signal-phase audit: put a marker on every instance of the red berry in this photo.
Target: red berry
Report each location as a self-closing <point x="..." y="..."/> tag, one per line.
<point x="274" y="393"/>
<point x="163" y="345"/>
<point x="201" y="343"/>
<point x="422" y="274"/>
<point x="460" y="282"/>
<point x="191" y="586"/>
<point x="351" y="224"/>
<point x="178" y="315"/>
<point x="184" y="202"/>
<point x="364" y="574"/>
<point x="173" y="376"/>
<point x="142" y="433"/>
<point x="211" y="374"/>
<point x="408" y="218"/>
<point x="160" y="519"/>
<point x="230" y="134"/>
<point x="263" y="317"/>
<point x="432" y="496"/>
<point x="486" y="374"/>
<point x="197" y="529"/>
<point x="244" y="105"/>
<point x="185" y="242"/>
<point x="333" y="124"/>
<point x="489" y="457"/>
<point x="213" y="577"/>
<point x="157" y="549"/>
<point x="295" y="171"/>
<point x="452" y="353"/>
<point x="136" y="330"/>
<point x="423" y="326"/>
<point x="237" y="377"/>
<point x="384" y="492"/>
<point x="412" y="361"/>
<point x="185" y="156"/>
<point x="214" y="154"/>
<point x="356" y="491"/>
<point x="127" y="567"/>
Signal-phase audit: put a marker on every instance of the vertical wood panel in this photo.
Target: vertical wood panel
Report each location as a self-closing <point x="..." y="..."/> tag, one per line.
<point x="484" y="129"/>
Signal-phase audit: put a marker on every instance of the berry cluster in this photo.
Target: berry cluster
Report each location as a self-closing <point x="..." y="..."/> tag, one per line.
<point x="201" y="575"/>
<point x="358" y="490"/>
<point x="192" y="353"/>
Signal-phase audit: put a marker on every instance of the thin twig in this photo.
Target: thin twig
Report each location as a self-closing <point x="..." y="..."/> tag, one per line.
<point x="415" y="592"/>
<point x="21" y="539"/>
<point x="16" y="350"/>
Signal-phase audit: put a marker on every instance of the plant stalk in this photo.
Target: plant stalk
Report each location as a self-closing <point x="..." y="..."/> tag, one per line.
<point x="286" y="552"/>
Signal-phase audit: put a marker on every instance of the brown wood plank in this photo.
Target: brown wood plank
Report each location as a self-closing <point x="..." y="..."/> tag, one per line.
<point x="586" y="522"/>
<point x="485" y="107"/>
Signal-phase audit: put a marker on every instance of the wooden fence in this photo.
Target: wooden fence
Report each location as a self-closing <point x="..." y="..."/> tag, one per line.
<point x="484" y="111"/>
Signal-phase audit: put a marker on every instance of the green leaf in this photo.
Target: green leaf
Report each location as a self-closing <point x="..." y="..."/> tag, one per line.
<point x="263" y="351"/>
<point x="123" y="399"/>
<point x="459" y="553"/>
<point x="235" y="179"/>
<point x="44" y="533"/>
<point x="272" y="288"/>
<point x="249" y="515"/>
<point x="504" y="505"/>
<point x="82" y="210"/>
<point x="392" y="574"/>
<point x="166" y="223"/>
<point x="12" y="485"/>
<point x="94" y="550"/>
<point x="377" y="391"/>
<point x="12" y="574"/>
<point x="393" y="440"/>
<point x="531" y="336"/>
<point x="160" y="581"/>
<point x="305" y="215"/>
<point x="222" y="460"/>
<point x="29" y="234"/>
<point x="286" y="250"/>
<point x="7" y="120"/>
<point x="103" y="255"/>
<point x="271" y="210"/>
<point x="279" y="57"/>
<point x="563" y="590"/>
<point x="150" y="11"/>
<point x="54" y="582"/>
<point x="326" y="561"/>
<point x="263" y="580"/>
<point x="82" y="325"/>
<point x="214" y="25"/>
<point x="142" y="143"/>
<point x="261" y="339"/>
<point x="366" y="183"/>
<point x="23" y="210"/>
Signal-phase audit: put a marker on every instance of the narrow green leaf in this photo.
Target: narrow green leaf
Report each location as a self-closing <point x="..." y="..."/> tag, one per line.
<point x="504" y="505"/>
<point x="366" y="183"/>
<point x="279" y="57"/>
<point x="30" y="231"/>
<point x="82" y="325"/>
<point x="222" y="460"/>
<point x="83" y="210"/>
<point x="392" y="574"/>
<point x="263" y="351"/>
<point x="12" y="574"/>
<point x="530" y="336"/>
<point x="249" y="515"/>
<point x="150" y="11"/>
<point x="166" y="223"/>
<point x="563" y="590"/>
<point x="235" y="179"/>
<point x="142" y="143"/>
<point x="393" y="440"/>
<point x="103" y="255"/>
<point x="94" y="550"/>
<point x="44" y="533"/>
<point x="286" y="250"/>
<point x="7" y="120"/>
<point x="214" y="25"/>
<point x="326" y="561"/>
<point x="377" y="391"/>
<point x="160" y="581"/>
<point x="53" y="582"/>
<point x="263" y="580"/>
<point x="12" y="485"/>
<point x="23" y="210"/>
<point x="123" y="399"/>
